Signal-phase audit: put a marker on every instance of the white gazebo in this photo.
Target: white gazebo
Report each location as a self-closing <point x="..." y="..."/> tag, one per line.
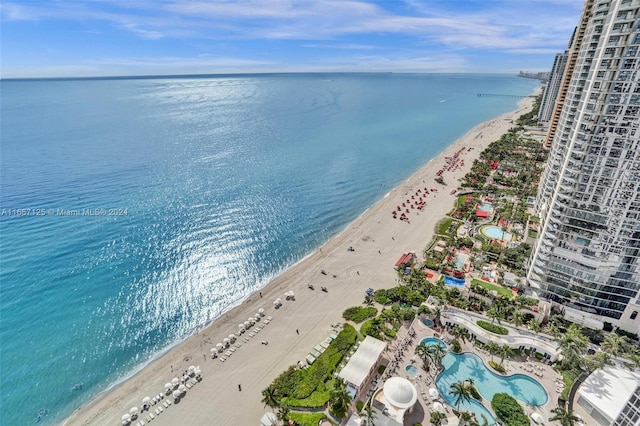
<point x="362" y="363"/>
<point x="397" y="397"/>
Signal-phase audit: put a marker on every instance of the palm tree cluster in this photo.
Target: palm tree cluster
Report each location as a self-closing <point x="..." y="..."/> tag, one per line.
<point x="432" y="353"/>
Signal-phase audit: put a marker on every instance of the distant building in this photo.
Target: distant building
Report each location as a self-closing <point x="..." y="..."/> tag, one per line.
<point x="611" y="397"/>
<point x="587" y="253"/>
<point x="553" y="87"/>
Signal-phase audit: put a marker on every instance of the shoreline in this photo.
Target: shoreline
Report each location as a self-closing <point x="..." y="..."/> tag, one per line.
<point x="298" y="325"/>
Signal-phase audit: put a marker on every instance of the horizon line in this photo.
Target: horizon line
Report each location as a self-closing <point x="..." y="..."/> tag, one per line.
<point x="164" y="76"/>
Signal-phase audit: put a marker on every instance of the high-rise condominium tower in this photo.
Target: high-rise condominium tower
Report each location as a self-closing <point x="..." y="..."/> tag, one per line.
<point x="587" y="253"/>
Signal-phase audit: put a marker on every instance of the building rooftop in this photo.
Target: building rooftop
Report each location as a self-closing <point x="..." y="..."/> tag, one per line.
<point x="361" y="363"/>
<point x="608" y="390"/>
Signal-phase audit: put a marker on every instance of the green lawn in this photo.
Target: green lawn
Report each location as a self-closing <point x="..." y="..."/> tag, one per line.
<point x="307" y="419"/>
<point x="501" y="290"/>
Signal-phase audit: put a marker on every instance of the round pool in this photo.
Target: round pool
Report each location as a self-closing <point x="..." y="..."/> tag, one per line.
<point x="427" y="322"/>
<point x="433" y="341"/>
<point x="495" y="233"/>
<point x="411" y="370"/>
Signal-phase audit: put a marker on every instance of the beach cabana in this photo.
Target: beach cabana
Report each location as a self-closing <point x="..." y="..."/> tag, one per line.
<point x="134" y="413"/>
<point x="362" y="364"/>
<point x="175" y="382"/>
<point x="167" y="388"/>
<point x="268" y="419"/>
<point x="146" y="401"/>
<point x="261" y="312"/>
<point x="126" y="419"/>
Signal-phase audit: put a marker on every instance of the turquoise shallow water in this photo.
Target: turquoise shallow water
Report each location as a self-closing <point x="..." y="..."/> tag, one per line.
<point x="460" y="367"/>
<point x="201" y="190"/>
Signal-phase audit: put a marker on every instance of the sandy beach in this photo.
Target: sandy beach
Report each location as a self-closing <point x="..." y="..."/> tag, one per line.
<point x="378" y="241"/>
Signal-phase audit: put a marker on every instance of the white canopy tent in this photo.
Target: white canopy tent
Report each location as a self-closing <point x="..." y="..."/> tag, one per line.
<point x="363" y="361"/>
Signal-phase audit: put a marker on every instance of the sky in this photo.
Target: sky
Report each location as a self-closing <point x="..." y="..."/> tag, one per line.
<point x="85" y="38"/>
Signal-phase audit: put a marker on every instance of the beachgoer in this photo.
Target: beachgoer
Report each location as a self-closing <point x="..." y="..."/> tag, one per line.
<point x="172" y="368"/>
<point x="297" y="331"/>
<point x="239" y="388"/>
<point x="260" y="295"/>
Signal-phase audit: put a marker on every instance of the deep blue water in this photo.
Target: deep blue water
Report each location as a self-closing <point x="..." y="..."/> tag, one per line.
<point x="222" y="183"/>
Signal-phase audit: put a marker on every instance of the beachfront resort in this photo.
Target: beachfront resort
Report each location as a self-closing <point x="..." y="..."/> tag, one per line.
<point x="458" y="341"/>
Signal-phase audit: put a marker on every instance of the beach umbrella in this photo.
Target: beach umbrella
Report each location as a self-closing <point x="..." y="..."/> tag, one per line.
<point x="167" y="387"/>
<point x="182" y="389"/>
<point x="268" y="419"/>
<point x="126" y="418"/>
<point x="438" y="407"/>
<point x="261" y="311"/>
<point x="232" y="337"/>
<point x="176" y="394"/>
<point x="146" y="401"/>
<point x="191" y="369"/>
<point x="257" y="317"/>
<point x="247" y="324"/>
<point x="175" y="382"/>
<point x="198" y="371"/>
<point x="433" y="393"/>
<point x="134" y="411"/>
<point x="291" y="294"/>
<point x="241" y="327"/>
<point x="219" y="346"/>
<point x="226" y="341"/>
<point x="536" y="417"/>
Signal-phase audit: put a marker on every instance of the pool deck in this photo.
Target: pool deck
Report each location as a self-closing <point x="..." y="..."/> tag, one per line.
<point x="403" y="348"/>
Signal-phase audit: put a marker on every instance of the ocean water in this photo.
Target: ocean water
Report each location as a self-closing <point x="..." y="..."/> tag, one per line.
<point x="135" y="211"/>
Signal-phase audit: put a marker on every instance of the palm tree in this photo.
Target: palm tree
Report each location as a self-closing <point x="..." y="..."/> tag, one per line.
<point x="437" y="418"/>
<point x="598" y="360"/>
<point x="437" y="352"/>
<point x="503" y="351"/>
<point x="564" y="416"/>
<point x="271" y="397"/>
<point x="613" y="344"/>
<point x="493" y="348"/>
<point x="369" y="414"/>
<point x="340" y="398"/>
<point x="283" y="411"/>
<point x="573" y="344"/>
<point x="494" y="313"/>
<point x="461" y="333"/>
<point x="517" y="317"/>
<point x="534" y="326"/>
<point x="460" y="390"/>
<point x="422" y="350"/>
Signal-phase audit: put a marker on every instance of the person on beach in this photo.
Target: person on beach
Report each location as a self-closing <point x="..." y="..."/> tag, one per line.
<point x="297" y="331"/>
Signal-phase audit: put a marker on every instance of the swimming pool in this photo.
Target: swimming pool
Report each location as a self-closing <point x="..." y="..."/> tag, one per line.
<point x="454" y="282"/>
<point x="433" y="341"/>
<point x="460" y="367"/>
<point x="486" y="206"/>
<point x="495" y="232"/>
<point x="427" y="322"/>
<point x="411" y="370"/>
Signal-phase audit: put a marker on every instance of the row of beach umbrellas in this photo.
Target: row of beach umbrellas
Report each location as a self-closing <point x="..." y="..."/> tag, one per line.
<point x="250" y="322"/>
